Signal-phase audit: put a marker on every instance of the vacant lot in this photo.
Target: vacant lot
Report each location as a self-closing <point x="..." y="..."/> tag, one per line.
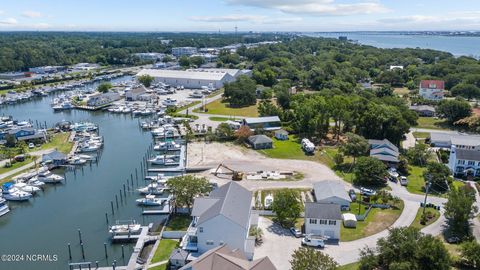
<point x="223" y="108"/>
<point x="431" y="123"/>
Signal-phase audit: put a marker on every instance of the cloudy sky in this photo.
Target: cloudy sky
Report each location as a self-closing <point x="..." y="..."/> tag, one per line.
<point x="248" y="15"/>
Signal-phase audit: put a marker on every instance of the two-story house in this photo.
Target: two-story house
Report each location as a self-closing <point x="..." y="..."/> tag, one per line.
<point x="225" y="216"/>
<point x="464" y="162"/>
<point x="323" y="219"/>
<point x="384" y="150"/>
<point x="432" y="89"/>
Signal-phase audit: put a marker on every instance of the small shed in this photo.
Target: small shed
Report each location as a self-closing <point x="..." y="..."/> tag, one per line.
<point x="178" y="258"/>
<point x="55" y="157"/>
<point x="260" y="142"/>
<point x="281" y="135"/>
<point x="349" y="220"/>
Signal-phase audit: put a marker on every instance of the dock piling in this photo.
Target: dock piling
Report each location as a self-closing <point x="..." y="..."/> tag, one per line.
<point x="83" y="251"/>
<point x="123" y="253"/>
<point x="124" y="191"/>
<point x="105" y="248"/>
<point x="69" y="252"/>
<point x="80" y="236"/>
<point x="116" y="200"/>
<point x="111" y="204"/>
<point x="106" y="217"/>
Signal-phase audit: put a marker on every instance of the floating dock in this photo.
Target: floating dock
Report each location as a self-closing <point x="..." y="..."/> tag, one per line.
<point x="132" y="237"/>
<point x="158" y="211"/>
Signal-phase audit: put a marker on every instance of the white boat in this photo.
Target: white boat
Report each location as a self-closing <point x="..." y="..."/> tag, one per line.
<point x="27" y="188"/>
<point x="132" y="227"/>
<point x="14" y="194"/>
<point x="159" y="178"/>
<point x="3" y="207"/>
<point x="151" y="200"/>
<point x="169" y="145"/>
<point x="169" y="102"/>
<point x="35" y="182"/>
<point x="76" y="160"/>
<point x="153" y="188"/>
<point x="48" y="177"/>
<point x="162" y="159"/>
<point x="89" y="147"/>
<point x="86" y="157"/>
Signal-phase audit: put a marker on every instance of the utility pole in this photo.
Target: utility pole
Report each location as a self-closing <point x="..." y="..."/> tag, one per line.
<point x="427" y="187"/>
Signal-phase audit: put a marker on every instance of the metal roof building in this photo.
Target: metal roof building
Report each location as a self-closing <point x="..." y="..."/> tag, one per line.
<point x="194" y="79"/>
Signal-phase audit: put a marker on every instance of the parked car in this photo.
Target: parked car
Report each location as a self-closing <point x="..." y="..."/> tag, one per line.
<point x="31" y="145"/>
<point x="352" y="195"/>
<point x="393" y="172"/>
<point x="20" y="158"/>
<point x="367" y="192"/>
<point x="313" y="241"/>
<point x="453" y="240"/>
<point x="403" y="181"/>
<point x="296" y="232"/>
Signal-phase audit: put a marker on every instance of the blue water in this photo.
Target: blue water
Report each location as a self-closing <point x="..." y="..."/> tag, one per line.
<point x="456" y="45"/>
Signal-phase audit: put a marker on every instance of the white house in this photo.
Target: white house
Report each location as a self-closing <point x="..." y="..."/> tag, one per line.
<point x="460" y="141"/>
<point x="323" y="219"/>
<point x="184" y="51"/>
<point x="223" y="217"/>
<point x="432" y="89"/>
<point x="194" y="79"/>
<point x="102" y="99"/>
<point x="281" y="135"/>
<point x="135" y="93"/>
<point x="464" y="162"/>
<point x="332" y="191"/>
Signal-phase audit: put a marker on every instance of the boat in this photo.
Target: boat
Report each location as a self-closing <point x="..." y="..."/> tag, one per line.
<point x="76" y="160"/>
<point x="86" y="157"/>
<point x="154" y="188"/>
<point x="169" y="102"/>
<point x="14" y="194"/>
<point x="35" y="182"/>
<point x="48" y="177"/>
<point x="151" y="200"/>
<point x="3" y="207"/>
<point x="162" y="159"/>
<point x="169" y="145"/>
<point x="27" y="188"/>
<point x="159" y="178"/>
<point x="132" y="227"/>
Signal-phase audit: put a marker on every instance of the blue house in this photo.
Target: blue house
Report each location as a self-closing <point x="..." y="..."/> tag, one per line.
<point x="23" y="134"/>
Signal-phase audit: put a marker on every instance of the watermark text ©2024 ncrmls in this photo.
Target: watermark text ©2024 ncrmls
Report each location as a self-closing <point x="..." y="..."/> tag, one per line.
<point x="28" y="258"/>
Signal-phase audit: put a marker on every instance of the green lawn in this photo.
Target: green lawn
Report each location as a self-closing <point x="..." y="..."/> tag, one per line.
<point x="376" y="221"/>
<point x="222" y="108"/>
<point x="221" y="119"/>
<point x="421" y="135"/>
<point x="433" y="212"/>
<point x="16" y="165"/>
<point x="164" y="250"/>
<point x="431" y="123"/>
<point x="350" y="266"/>
<point x="160" y="267"/>
<point x="289" y="149"/>
<point x="191" y="104"/>
<point x="178" y="223"/>
<point x="416" y="182"/>
<point x="58" y="141"/>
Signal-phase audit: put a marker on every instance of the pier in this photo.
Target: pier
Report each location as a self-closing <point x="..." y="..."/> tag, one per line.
<point x="130" y="237"/>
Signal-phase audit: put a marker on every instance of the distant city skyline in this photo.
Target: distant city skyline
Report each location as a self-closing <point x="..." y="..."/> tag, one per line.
<point x="247" y="15"/>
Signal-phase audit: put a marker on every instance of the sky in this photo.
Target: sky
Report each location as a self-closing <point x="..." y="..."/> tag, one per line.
<point x="247" y="15"/>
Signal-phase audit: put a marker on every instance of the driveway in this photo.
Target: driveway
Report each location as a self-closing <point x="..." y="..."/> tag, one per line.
<point x="203" y="118"/>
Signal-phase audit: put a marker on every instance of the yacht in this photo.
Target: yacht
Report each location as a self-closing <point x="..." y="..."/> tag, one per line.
<point x="169" y="145"/>
<point x="170" y="102"/>
<point x="159" y="178"/>
<point x="48" y="177"/>
<point x="76" y="160"/>
<point x="86" y="157"/>
<point x="35" y="182"/>
<point x="153" y="188"/>
<point x="3" y="207"/>
<point x="27" y="188"/>
<point x="151" y="200"/>
<point x="132" y="227"/>
<point x="162" y="159"/>
<point x="14" y="194"/>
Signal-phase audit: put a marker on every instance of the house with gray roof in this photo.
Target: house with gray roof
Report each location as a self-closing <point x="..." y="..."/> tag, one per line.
<point x="269" y="123"/>
<point x="323" y="219"/>
<point x="384" y="150"/>
<point x="464" y="162"/>
<point x="225" y="216"/>
<point x="178" y="258"/>
<point x="227" y="258"/>
<point x="423" y="110"/>
<point x="460" y="141"/>
<point x="260" y="142"/>
<point x="332" y="191"/>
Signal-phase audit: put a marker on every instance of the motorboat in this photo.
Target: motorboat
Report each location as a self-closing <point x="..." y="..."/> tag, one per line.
<point x="3" y="207"/>
<point x="35" y="182"/>
<point x="162" y="159"/>
<point x="151" y="200"/>
<point x="86" y="157"/>
<point x="159" y="178"/>
<point x="48" y="177"/>
<point x="27" y="188"/>
<point x="169" y="102"/>
<point x="76" y="160"/>
<point x="14" y="194"/>
<point x="153" y="188"/>
<point x="169" y="145"/>
<point x="132" y="227"/>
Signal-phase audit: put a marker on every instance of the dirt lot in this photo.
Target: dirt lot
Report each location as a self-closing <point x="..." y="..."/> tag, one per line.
<point x="242" y="159"/>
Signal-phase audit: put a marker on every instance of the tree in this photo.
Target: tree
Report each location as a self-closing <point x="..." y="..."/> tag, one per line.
<point x="241" y="92"/>
<point x="266" y="108"/>
<point x="22" y="147"/>
<point x="186" y="188"/>
<point x="104" y="87"/>
<point x="459" y="209"/>
<point x="146" y="80"/>
<point x="184" y="61"/>
<point x="355" y="146"/>
<point x="287" y="206"/>
<point x="418" y="155"/>
<point x="243" y="133"/>
<point x="406" y="248"/>
<point x="224" y="132"/>
<point x="453" y="110"/>
<point x="10" y="140"/>
<point x="305" y="258"/>
<point x="370" y="171"/>
<point x="438" y="175"/>
<point x="470" y="254"/>
<point x="465" y="90"/>
<point x="197" y="60"/>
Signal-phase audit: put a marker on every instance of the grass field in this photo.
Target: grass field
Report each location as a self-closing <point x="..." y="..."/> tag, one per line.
<point x="178" y="223"/>
<point x="58" y="141"/>
<point x="160" y="267"/>
<point x="416" y="182"/>
<point x="222" y="119"/>
<point x="421" y="135"/>
<point x="16" y="165"/>
<point x="376" y="221"/>
<point x="416" y="223"/>
<point x="350" y="266"/>
<point x="222" y="108"/>
<point x="431" y="123"/>
<point x="401" y="91"/>
<point x="164" y="250"/>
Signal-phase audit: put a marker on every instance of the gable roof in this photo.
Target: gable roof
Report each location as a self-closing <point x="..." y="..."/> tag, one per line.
<point x="224" y="258"/>
<point x="432" y="84"/>
<point x="456" y="139"/>
<point x="464" y="154"/>
<point x="323" y="211"/>
<point x="422" y="108"/>
<point x="259" y="139"/>
<point x="382" y="143"/>
<point x="179" y="254"/>
<point x="281" y="132"/>
<point x="54" y="155"/>
<point x="330" y="188"/>
<point x="230" y="200"/>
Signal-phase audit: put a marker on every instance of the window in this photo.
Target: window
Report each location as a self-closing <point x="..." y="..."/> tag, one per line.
<point x="210" y="242"/>
<point x="461" y="162"/>
<point x="200" y="229"/>
<point x="332" y="222"/>
<point x="313" y="221"/>
<point x="471" y="163"/>
<point x="323" y="222"/>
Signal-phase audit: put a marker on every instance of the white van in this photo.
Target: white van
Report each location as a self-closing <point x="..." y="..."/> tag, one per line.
<point x="313" y="241"/>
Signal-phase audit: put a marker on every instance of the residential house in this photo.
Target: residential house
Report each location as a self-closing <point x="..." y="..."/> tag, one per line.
<point x="55" y="157"/>
<point x="178" y="258"/>
<point x="281" y="135"/>
<point x="184" y="51"/>
<point x="384" y="150"/>
<point x="260" y="142"/>
<point x="269" y="123"/>
<point x="323" y="219"/>
<point x="332" y="191"/>
<point x="225" y="216"/>
<point x="102" y="99"/>
<point x="460" y="141"/>
<point x="135" y="93"/>
<point x="432" y="89"/>
<point x="423" y="110"/>
<point x="464" y="162"/>
<point x="226" y="258"/>
<point x="24" y="133"/>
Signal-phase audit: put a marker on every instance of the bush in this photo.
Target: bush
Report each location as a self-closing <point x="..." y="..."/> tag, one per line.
<point x="338" y="159"/>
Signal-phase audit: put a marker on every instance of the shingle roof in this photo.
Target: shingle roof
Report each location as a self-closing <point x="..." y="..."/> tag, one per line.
<point x="468" y="154"/>
<point x="456" y="139"/>
<point x="281" y="132"/>
<point x="259" y="139"/>
<point x="330" y="188"/>
<point x="54" y="155"/>
<point x="379" y="143"/>
<point x="232" y="201"/>
<point x="422" y="108"/>
<point x="433" y="84"/>
<point x="179" y="254"/>
<point x="323" y="211"/>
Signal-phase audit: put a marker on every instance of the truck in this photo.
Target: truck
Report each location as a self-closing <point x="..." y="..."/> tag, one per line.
<point x="313" y="241"/>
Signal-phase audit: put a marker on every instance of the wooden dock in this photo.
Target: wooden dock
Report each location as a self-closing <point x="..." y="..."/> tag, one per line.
<point x="131" y="237"/>
<point x="163" y="211"/>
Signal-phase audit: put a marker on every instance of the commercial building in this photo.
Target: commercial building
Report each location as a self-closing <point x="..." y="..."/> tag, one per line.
<point x="323" y="219"/>
<point x="223" y="217"/>
<point x="99" y="100"/>
<point x="269" y="123"/>
<point x="432" y="89"/>
<point x="194" y="79"/>
<point x="464" y="162"/>
<point x="184" y="51"/>
<point x="135" y="93"/>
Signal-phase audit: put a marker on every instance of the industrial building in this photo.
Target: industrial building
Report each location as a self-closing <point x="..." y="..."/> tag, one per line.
<point x="194" y="79"/>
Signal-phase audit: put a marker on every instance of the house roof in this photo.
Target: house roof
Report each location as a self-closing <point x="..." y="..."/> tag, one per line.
<point x="432" y="84"/>
<point x="330" y="188"/>
<point x="468" y="154"/>
<point x="456" y="139"/>
<point x="230" y="200"/>
<point x="256" y="139"/>
<point x="323" y="211"/>
<point x="281" y="132"/>
<point x="422" y="108"/>
<point x="54" y="155"/>
<point x="184" y="74"/>
<point x="382" y="143"/>
<point x="138" y="90"/>
<point x="224" y="258"/>
<point x="179" y="254"/>
<point x="260" y="120"/>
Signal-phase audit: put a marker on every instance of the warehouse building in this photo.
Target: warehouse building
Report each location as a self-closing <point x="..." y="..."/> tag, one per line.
<point x="194" y="79"/>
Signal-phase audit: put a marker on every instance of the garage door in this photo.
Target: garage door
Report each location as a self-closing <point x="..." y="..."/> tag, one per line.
<point x="330" y="234"/>
<point x="317" y="232"/>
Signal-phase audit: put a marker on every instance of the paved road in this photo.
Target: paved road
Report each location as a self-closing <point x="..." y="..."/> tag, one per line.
<point x="24" y="167"/>
<point x="409" y="141"/>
